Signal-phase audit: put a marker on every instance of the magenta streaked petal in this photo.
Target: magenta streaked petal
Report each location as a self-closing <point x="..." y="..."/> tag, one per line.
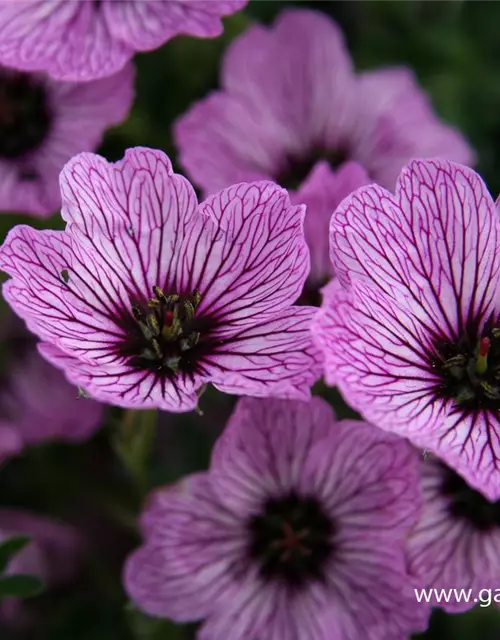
<point x="276" y="358"/>
<point x="70" y="40"/>
<point x="76" y="313"/>
<point x="251" y="460"/>
<point x="400" y="244"/>
<point x="246" y="254"/>
<point x="11" y="442"/>
<point x="131" y="214"/>
<point x="123" y="385"/>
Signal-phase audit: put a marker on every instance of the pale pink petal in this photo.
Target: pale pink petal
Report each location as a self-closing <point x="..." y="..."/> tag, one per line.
<point x="396" y="122"/>
<point x="131" y="214"/>
<point x="275" y="357"/>
<point x="121" y="384"/>
<point x="431" y="247"/>
<point x="245" y="252"/>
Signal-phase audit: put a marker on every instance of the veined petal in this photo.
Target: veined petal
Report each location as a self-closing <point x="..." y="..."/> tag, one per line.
<point x="264" y="449"/>
<point x="246" y="254"/>
<point x="275" y="357"/>
<point x="187" y="564"/>
<point x="119" y="384"/>
<point x="68" y="39"/>
<point x="432" y="247"/>
<point x="57" y="289"/>
<point x="132" y="214"/>
<point x="373" y="351"/>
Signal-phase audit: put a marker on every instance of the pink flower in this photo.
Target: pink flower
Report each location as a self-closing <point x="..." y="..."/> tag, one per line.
<point x="456" y="543"/>
<point x="297" y="531"/>
<point x="290" y="98"/>
<point x="147" y="295"/>
<point x="43" y="123"/>
<point x="411" y="330"/>
<point x="81" y="41"/>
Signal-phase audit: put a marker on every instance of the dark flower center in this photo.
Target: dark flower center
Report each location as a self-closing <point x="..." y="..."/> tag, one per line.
<point x="25" y="117"/>
<point x="296" y="168"/>
<point x="291" y="539"/>
<point x="467" y="504"/>
<point x="470" y="370"/>
<point x="165" y="331"/>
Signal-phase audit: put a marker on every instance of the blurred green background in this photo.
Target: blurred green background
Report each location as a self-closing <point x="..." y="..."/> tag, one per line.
<point x="454" y="48"/>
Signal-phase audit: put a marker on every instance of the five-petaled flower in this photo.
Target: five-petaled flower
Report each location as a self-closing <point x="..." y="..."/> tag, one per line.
<point x="297" y="531"/>
<point x="456" y="543"/>
<point x="43" y="123"/>
<point x="146" y="296"/>
<point x="411" y="329"/>
<point x="82" y="41"/>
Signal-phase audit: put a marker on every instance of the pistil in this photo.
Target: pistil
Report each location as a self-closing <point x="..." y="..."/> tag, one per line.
<point x="482" y="356"/>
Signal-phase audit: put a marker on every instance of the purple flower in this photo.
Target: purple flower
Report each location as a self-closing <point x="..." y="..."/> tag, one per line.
<point x="27" y="418"/>
<point x="456" y="542"/>
<point x="322" y="191"/>
<point x="147" y="295"/>
<point x="297" y="532"/>
<point x="52" y="554"/>
<point x="43" y="123"/>
<point x="411" y="330"/>
<point x="82" y="41"/>
<point x="290" y="98"/>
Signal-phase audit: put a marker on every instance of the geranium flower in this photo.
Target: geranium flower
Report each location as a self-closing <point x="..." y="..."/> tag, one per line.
<point x="147" y="295"/>
<point x="43" y="123"/>
<point x="297" y="531"/>
<point x="411" y="330"/>
<point x="83" y="41"/>
<point x="456" y="543"/>
<point x="291" y="98"/>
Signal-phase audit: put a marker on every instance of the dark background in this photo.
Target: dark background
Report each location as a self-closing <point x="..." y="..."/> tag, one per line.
<point x="454" y="48"/>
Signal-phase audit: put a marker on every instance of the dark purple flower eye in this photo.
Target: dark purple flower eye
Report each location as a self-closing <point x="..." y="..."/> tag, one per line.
<point x="298" y="530"/>
<point x="410" y="330"/>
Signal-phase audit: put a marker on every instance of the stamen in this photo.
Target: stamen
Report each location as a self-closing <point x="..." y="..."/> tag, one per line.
<point x="482" y="356"/>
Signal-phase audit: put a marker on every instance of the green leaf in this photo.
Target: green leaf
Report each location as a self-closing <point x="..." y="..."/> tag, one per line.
<point x="10" y="548"/>
<point x="20" y="586"/>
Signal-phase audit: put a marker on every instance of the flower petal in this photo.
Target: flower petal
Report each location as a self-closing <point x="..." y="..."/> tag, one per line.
<point x="276" y="357"/>
<point x="70" y="40"/>
<point x="322" y="192"/>
<point x="124" y="386"/>
<point x="432" y="246"/>
<point x="446" y="552"/>
<point x="264" y="448"/>
<point x="187" y="563"/>
<point x="131" y="214"/>
<point x="245" y="252"/>
<point x="396" y="122"/>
